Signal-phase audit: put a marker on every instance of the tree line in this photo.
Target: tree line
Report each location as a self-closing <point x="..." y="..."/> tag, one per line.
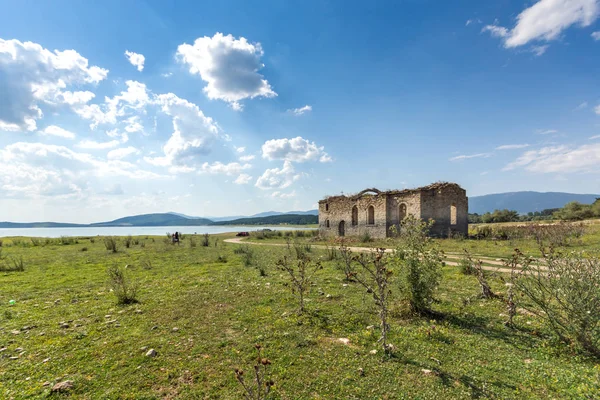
<point x="573" y="211"/>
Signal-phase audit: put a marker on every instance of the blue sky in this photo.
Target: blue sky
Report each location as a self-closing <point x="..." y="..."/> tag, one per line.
<point x="239" y="108"/>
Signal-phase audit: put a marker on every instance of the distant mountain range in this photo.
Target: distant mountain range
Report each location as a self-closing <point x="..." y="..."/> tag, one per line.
<point x="175" y="219"/>
<point x="524" y="202"/>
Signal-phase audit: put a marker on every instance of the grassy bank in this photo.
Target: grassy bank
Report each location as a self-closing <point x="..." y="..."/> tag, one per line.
<point x="203" y="310"/>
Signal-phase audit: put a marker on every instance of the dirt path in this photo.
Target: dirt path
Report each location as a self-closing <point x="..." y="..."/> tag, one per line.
<point x="486" y="260"/>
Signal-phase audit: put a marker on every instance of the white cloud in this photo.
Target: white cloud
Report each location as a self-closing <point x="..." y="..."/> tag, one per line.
<point x="123" y="152"/>
<point x="280" y="195"/>
<point x="167" y="75"/>
<point x="54" y="130"/>
<point x="539" y="50"/>
<point x="75" y="98"/>
<point x="296" y="149"/>
<point x="546" y="131"/>
<point x="133" y="124"/>
<point x="36" y="169"/>
<point x="229" y="66"/>
<point x="582" y="106"/>
<point x="243" y="179"/>
<point x="114" y="133"/>
<point x="496" y="31"/>
<point x="93" y="145"/>
<point x="240" y="149"/>
<point x="137" y="60"/>
<point x="193" y="133"/>
<point x="594" y="137"/>
<point x="31" y="75"/>
<point x="597" y="109"/>
<point x="301" y="110"/>
<point x="466" y="157"/>
<point x="546" y="20"/>
<point x="226" y="169"/>
<point x="560" y="159"/>
<point x="596" y="35"/>
<point x="134" y="99"/>
<point x="278" y="178"/>
<point x="512" y="146"/>
<point x="247" y="158"/>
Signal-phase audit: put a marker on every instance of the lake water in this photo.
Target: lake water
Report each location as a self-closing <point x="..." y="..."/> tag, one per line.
<point x="134" y="230"/>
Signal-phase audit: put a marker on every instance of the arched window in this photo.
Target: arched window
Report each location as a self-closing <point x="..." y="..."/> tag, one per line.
<point x="327" y="223"/>
<point x="453" y="214"/>
<point x="401" y="212"/>
<point x="371" y="215"/>
<point x="354" y="216"/>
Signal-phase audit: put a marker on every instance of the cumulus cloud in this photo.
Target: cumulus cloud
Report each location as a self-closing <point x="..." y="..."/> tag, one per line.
<point x="280" y="195"/>
<point x="229" y="66"/>
<point x="546" y="20"/>
<point x="240" y="149"/>
<point x="466" y="157"/>
<point x="93" y="145"/>
<point x="278" y="178"/>
<point x="54" y="130"/>
<point x="243" y="179"/>
<point x="296" y="149"/>
<point x="192" y="137"/>
<point x="560" y="159"/>
<point x="226" y="169"/>
<point x="123" y="152"/>
<point x="134" y="99"/>
<point x="31" y="75"/>
<point x="247" y="158"/>
<point x="36" y="169"/>
<point x="137" y="60"/>
<point x="512" y="146"/>
<point x="596" y="35"/>
<point x="300" y="111"/>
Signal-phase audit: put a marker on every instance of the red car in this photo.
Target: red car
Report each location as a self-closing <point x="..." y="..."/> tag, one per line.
<point x="243" y="234"/>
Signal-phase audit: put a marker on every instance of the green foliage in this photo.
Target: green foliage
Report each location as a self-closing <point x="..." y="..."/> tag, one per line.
<point x="13" y="264"/>
<point x="288" y="219"/>
<point x="418" y="261"/>
<point x="128" y="241"/>
<point x="365" y="237"/>
<point x="111" y="244"/>
<point x="575" y="211"/>
<point x="563" y="289"/>
<point x="124" y="289"/>
<point x="205" y="240"/>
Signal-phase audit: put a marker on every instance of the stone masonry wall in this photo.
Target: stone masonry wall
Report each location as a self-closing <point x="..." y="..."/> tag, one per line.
<point x="436" y="204"/>
<point x="339" y="209"/>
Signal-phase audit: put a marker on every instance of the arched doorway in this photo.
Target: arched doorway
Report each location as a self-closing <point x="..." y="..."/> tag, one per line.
<point x="401" y="212"/>
<point x="354" y="216"/>
<point x="342" y="228"/>
<point x="371" y="215"/>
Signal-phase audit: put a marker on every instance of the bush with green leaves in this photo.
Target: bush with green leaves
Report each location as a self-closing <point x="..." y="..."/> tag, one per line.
<point x="123" y="287"/>
<point x="111" y="244"/>
<point x="419" y="262"/>
<point x="563" y="289"/>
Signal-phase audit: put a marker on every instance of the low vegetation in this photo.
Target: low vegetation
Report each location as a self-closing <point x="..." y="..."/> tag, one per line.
<point x="197" y="319"/>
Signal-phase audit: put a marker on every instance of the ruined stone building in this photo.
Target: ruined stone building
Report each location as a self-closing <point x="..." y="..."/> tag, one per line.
<point x="375" y="212"/>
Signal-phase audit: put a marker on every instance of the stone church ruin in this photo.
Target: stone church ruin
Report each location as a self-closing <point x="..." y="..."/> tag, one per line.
<point x="375" y="212"/>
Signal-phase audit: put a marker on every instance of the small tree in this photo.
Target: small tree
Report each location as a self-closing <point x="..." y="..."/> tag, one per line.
<point x="375" y="277"/>
<point x="477" y="266"/>
<point x="124" y="289"/>
<point x="346" y="263"/>
<point x="511" y="305"/>
<point x="419" y="263"/>
<point x="300" y="273"/>
<point x="564" y="291"/>
<point x="260" y="385"/>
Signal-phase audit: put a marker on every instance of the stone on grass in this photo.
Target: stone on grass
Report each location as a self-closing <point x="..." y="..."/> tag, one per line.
<point x="62" y="386"/>
<point x="373" y="351"/>
<point x="151" y="353"/>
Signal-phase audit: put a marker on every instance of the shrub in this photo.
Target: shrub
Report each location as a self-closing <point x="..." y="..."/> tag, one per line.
<point x="247" y="255"/>
<point x="92" y="240"/>
<point x="465" y="266"/>
<point x="260" y="385"/>
<point x="135" y="241"/>
<point x="419" y="262"/>
<point x="146" y="264"/>
<point x="564" y="291"/>
<point x="477" y="267"/>
<point x="192" y="242"/>
<point x="331" y="254"/>
<point x="300" y="273"/>
<point x="222" y="258"/>
<point x="205" y="240"/>
<point x="374" y="277"/>
<point x="15" y="265"/>
<point x="111" y="244"/>
<point x="66" y="240"/>
<point x="365" y="237"/>
<point x="36" y="242"/>
<point x="84" y="249"/>
<point x="124" y="289"/>
<point x="128" y="241"/>
<point x="299" y="234"/>
<point x="1" y="242"/>
<point x="346" y="263"/>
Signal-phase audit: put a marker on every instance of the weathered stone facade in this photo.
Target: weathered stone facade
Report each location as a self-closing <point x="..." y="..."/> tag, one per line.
<point x="376" y="212"/>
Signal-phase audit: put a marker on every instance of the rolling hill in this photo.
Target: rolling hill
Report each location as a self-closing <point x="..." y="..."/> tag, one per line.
<point x="160" y="219"/>
<point x="524" y="202"/>
<point x="288" y="219"/>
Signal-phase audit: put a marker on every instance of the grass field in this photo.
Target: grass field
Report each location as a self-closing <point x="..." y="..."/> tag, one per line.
<point x="203" y="310"/>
